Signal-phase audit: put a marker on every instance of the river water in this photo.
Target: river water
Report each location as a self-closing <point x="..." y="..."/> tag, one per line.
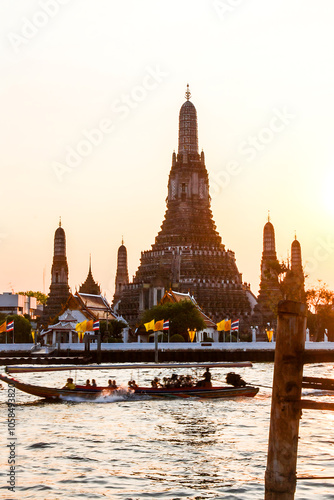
<point x="130" y="448"/>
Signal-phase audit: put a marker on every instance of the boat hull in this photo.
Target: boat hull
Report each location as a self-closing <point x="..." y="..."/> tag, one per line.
<point x="55" y="393"/>
<point x="92" y="393"/>
<point x="198" y="392"/>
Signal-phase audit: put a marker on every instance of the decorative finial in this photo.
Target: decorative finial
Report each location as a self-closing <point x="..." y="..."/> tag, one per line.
<point x="60" y="221"/>
<point x="188" y="93"/>
<point x="90" y="262"/>
<point x="295" y="234"/>
<point x="122" y="240"/>
<point x="268" y="215"/>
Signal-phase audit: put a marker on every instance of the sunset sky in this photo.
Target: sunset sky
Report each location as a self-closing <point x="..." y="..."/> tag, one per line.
<point x="90" y="97"/>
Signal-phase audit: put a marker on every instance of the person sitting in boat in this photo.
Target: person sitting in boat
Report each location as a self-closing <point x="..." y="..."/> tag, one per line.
<point x="206" y="382"/>
<point x="156" y="383"/>
<point x="93" y="382"/>
<point x="88" y="383"/>
<point x="69" y="384"/>
<point x="112" y="384"/>
<point x="132" y="384"/>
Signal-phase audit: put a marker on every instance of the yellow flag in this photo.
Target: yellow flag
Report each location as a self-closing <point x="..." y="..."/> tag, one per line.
<point x="33" y="335"/>
<point x="191" y="335"/>
<point x="270" y="335"/>
<point x="89" y="326"/>
<point x="149" y="326"/>
<point x="81" y="327"/>
<point x="159" y="326"/>
<point x="221" y="326"/>
<point x="227" y="325"/>
<point x="3" y="327"/>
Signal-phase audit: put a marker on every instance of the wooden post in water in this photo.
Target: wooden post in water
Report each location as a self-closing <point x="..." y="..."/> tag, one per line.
<point x="280" y="479"/>
<point x="156" y="348"/>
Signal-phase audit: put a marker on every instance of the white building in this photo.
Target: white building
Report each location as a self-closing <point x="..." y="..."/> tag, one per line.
<point x="13" y="303"/>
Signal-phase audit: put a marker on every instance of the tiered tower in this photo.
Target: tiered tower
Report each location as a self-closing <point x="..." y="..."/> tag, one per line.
<point x="122" y="276"/>
<point x="270" y="292"/>
<point x="89" y="285"/>
<point x="59" y="289"/>
<point x="188" y="254"/>
<point x="293" y="284"/>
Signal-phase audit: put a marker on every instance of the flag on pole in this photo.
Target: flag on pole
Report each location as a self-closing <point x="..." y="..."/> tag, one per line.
<point x="159" y="326"/>
<point x="96" y="326"/>
<point x="191" y="334"/>
<point x="166" y="325"/>
<point x="3" y="327"/>
<point x="33" y="335"/>
<point x="81" y="327"/>
<point x="149" y="326"/>
<point x="227" y="325"/>
<point x="235" y="325"/>
<point x="10" y="326"/>
<point x="270" y="335"/>
<point x="89" y="326"/>
<point x="221" y="326"/>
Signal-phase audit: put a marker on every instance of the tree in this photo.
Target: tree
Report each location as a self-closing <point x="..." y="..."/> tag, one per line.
<point x="320" y="301"/>
<point x="22" y="330"/>
<point x="41" y="297"/>
<point x="114" y="331"/>
<point x="181" y="315"/>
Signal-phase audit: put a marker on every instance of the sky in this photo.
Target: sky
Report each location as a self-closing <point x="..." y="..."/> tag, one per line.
<point x="90" y="93"/>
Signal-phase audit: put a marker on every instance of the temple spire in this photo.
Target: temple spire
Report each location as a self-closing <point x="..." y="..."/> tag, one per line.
<point x="188" y="137"/>
<point x="188" y="93"/>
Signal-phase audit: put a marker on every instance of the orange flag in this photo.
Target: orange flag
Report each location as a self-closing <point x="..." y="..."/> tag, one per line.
<point x="89" y="326"/>
<point x="159" y="326"/>
<point x="227" y="325"/>
<point x="3" y="327"/>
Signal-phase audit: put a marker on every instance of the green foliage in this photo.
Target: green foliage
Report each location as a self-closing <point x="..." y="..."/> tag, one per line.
<point x="41" y="297"/>
<point x="177" y="338"/>
<point x="181" y="315"/>
<point x="320" y="301"/>
<point x="22" y="330"/>
<point x="114" y="331"/>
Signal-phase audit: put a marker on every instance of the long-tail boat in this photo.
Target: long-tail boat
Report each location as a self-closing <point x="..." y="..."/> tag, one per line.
<point x="91" y="393"/>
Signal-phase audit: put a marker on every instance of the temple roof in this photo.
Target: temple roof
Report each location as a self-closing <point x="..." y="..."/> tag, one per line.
<point x="174" y="297"/>
<point x="89" y="285"/>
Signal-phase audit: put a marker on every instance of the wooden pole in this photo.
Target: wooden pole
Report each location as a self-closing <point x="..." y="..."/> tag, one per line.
<point x="280" y="478"/>
<point x="156" y="352"/>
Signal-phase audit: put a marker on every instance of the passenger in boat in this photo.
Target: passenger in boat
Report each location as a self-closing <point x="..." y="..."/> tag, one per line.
<point x="132" y="384"/>
<point x="88" y="383"/>
<point x="206" y="382"/>
<point x="112" y="384"/>
<point x="155" y="383"/>
<point x="69" y="384"/>
<point x="93" y="382"/>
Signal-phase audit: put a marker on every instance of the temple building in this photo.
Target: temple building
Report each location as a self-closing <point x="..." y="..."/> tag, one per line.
<point x="122" y="275"/>
<point x="293" y="283"/>
<point x="59" y="289"/>
<point x="89" y="285"/>
<point x="188" y="254"/>
<point x="270" y="291"/>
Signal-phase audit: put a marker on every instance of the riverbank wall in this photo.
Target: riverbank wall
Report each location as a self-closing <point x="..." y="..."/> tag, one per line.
<point x="12" y="354"/>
